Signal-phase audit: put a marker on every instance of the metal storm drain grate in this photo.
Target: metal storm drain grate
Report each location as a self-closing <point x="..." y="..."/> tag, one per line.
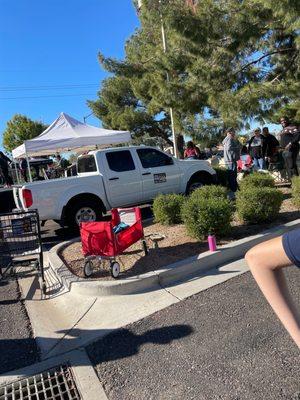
<point x="56" y="384"/>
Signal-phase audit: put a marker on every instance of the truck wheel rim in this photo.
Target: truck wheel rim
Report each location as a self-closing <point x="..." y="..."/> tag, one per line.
<point x="195" y="186"/>
<point x="85" y="214"/>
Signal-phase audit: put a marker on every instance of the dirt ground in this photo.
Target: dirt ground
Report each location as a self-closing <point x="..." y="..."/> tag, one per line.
<point x="176" y="245"/>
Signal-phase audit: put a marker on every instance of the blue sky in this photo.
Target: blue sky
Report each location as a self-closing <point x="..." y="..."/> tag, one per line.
<point x="55" y="43"/>
<point x="47" y="43"/>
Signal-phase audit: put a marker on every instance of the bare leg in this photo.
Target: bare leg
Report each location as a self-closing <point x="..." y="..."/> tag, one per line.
<point x="266" y="261"/>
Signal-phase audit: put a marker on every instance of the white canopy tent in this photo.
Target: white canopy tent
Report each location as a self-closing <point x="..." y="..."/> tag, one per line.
<point x="66" y="134"/>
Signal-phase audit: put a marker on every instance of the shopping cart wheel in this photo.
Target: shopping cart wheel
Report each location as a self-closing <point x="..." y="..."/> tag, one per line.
<point x="115" y="269"/>
<point x="44" y="288"/>
<point x="36" y="265"/>
<point x="88" y="268"/>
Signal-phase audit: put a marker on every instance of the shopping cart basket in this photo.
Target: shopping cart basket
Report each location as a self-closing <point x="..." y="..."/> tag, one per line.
<point x="20" y="243"/>
<point x="108" y="239"/>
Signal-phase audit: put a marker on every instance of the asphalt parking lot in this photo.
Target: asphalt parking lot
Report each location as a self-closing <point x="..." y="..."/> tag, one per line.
<point x="17" y="345"/>
<point x="223" y="343"/>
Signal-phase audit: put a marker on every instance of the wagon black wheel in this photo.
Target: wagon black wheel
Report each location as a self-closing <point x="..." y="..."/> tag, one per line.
<point x="115" y="269"/>
<point x="88" y="269"/>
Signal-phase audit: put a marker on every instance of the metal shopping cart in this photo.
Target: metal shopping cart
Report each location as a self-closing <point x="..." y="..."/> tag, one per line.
<point x="108" y="239"/>
<point x="20" y="243"/>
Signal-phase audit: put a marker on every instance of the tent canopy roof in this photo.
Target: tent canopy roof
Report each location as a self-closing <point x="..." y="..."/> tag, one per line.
<point x="66" y="134"/>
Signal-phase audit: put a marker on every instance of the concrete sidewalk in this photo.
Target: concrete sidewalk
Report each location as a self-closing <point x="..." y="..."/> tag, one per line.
<point x="66" y="320"/>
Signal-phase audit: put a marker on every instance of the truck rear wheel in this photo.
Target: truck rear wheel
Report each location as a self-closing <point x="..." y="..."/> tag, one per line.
<point x="85" y="210"/>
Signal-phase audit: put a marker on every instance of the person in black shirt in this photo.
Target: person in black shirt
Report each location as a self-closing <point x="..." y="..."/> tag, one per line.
<point x="289" y="142"/>
<point x="270" y="145"/>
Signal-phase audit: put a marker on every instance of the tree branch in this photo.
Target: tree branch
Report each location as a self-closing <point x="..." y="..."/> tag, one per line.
<point x="264" y="56"/>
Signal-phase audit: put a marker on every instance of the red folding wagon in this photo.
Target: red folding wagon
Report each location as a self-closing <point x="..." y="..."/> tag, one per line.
<point x="108" y="239"/>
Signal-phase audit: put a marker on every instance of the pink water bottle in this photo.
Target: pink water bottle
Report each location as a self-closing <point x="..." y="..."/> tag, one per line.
<point x="212" y="242"/>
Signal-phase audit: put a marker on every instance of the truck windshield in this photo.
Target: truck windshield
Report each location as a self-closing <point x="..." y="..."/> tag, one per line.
<point x="86" y="164"/>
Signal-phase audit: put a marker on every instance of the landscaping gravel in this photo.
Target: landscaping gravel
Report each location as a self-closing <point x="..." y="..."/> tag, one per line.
<point x="176" y="246"/>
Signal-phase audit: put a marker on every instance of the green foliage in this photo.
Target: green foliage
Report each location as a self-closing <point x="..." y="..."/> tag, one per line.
<point x="207" y="216"/>
<point x="167" y="208"/>
<point x="209" y="192"/>
<point x="226" y="62"/>
<point x="222" y="176"/>
<point x="257" y="179"/>
<point x="19" y="129"/>
<point x="296" y="191"/>
<point x="258" y="204"/>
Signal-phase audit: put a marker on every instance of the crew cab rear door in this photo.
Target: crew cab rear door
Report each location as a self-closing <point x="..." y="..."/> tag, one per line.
<point x="122" y="178"/>
<point x="159" y="172"/>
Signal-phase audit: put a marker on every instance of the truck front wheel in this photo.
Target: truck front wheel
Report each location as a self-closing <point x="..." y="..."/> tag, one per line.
<point x="87" y="210"/>
<point x="197" y="182"/>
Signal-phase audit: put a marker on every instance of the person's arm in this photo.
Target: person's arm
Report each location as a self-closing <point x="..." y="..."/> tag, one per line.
<point x="266" y="262"/>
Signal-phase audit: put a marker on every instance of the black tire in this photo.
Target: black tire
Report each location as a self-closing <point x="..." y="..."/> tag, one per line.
<point x="88" y="268"/>
<point x="44" y="288"/>
<point x="74" y="209"/>
<point x="115" y="269"/>
<point x="196" y="183"/>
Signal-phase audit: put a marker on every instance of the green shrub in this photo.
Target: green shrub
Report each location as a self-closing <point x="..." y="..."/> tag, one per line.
<point x="209" y="191"/>
<point x="167" y="208"/>
<point x="296" y="191"/>
<point x="257" y="179"/>
<point x="207" y="216"/>
<point x="258" y="204"/>
<point x="222" y="176"/>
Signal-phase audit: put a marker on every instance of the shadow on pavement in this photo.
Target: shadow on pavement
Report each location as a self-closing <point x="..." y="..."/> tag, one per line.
<point x="116" y="345"/>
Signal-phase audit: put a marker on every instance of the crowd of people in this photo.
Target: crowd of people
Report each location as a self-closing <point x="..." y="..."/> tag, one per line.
<point x="261" y="150"/>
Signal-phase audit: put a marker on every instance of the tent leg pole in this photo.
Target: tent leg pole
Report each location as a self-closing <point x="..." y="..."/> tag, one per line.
<point x="28" y="166"/>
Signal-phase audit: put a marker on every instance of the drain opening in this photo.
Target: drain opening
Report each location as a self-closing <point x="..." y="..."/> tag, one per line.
<point x="56" y="384"/>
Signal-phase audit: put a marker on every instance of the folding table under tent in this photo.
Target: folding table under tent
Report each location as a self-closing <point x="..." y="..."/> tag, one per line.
<point x="67" y="134"/>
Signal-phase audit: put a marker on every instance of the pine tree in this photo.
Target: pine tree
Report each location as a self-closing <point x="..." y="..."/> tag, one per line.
<point x="228" y="61"/>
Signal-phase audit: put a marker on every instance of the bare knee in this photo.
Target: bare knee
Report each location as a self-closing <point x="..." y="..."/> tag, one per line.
<point x="252" y="256"/>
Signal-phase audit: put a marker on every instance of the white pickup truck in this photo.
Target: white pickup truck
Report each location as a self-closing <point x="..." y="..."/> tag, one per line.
<point x="116" y="177"/>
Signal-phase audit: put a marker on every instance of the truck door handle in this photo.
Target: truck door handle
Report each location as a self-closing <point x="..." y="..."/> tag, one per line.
<point x="113" y="179"/>
<point x="146" y="173"/>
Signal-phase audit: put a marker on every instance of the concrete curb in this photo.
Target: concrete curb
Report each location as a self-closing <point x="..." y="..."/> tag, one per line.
<point x="163" y="276"/>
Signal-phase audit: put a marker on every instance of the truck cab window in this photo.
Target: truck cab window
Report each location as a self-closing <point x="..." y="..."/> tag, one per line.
<point x="120" y="161"/>
<point x="86" y="164"/>
<point x="151" y="158"/>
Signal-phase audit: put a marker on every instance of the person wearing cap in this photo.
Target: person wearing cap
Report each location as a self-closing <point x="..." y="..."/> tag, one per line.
<point x="255" y="149"/>
<point x="231" y="148"/>
<point x="289" y="142"/>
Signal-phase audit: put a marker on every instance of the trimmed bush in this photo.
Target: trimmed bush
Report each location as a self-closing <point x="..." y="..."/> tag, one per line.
<point x="203" y="216"/>
<point x="296" y="191"/>
<point x="209" y="191"/>
<point x="257" y="179"/>
<point x="167" y="208"/>
<point x="258" y="204"/>
<point x="222" y="176"/>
